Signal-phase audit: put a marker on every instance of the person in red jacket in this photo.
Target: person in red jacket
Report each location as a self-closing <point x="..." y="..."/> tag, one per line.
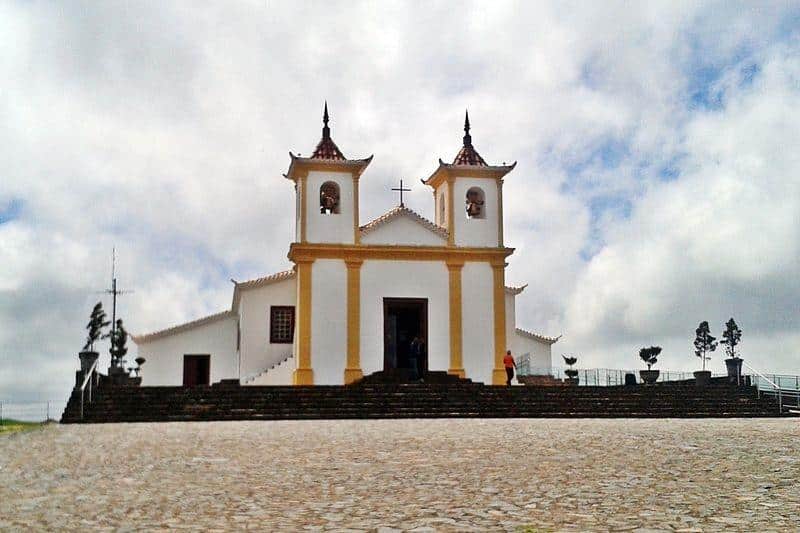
<point x="510" y="364"/>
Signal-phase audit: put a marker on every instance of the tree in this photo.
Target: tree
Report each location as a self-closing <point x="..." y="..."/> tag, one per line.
<point x="704" y="342"/>
<point x="97" y="321"/>
<point x="570" y="360"/>
<point x="650" y="355"/>
<point x="731" y="338"/>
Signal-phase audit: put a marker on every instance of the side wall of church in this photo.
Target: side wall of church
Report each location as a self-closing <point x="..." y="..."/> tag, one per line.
<point x="329" y="227"/>
<point x="328" y="321"/>
<point x="477" y="283"/>
<point x="540" y="353"/>
<point x="476" y="231"/>
<point x="404" y="279"/>
<point x="164" y="355"/>
<point x="257" y="352"/>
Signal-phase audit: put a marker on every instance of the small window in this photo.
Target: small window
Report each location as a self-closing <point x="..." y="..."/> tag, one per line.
<point x="281" y="324"/>
<point x="329" y="198"/>
<point x="475" y="201"/>
<point x="441" y="209"/>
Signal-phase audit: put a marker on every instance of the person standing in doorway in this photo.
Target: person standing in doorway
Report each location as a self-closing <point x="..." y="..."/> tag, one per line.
<point x="417" y="352"/>
<point x="510" y="364"/>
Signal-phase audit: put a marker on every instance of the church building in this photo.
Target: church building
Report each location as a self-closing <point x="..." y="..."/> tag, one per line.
<point x="358" y="295"/>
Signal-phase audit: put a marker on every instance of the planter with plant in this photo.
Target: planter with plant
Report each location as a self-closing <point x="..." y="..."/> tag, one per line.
<point x="97" y="321"/>
<point x="704" y="343"/>
<point x="731" y="338"/>
<point x="650" y="357"/>
<point x="571" y="373"/>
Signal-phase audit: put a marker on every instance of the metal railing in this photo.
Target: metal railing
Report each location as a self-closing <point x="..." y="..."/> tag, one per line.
<point x="602" y="377"/>
<point x="773" y="387"/>
<point x="89" y="380"/>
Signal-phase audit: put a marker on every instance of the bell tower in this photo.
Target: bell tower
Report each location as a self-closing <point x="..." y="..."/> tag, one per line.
<point x="326" y="186"/>
<point x="468" y="195"/>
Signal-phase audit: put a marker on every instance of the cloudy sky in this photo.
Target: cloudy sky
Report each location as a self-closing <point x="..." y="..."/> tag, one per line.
<point x="658" y="182"/>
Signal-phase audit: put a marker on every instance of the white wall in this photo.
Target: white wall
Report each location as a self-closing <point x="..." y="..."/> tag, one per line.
<point x="475" y="231"/>
<point x="329" y="228"/>
<point x="254" y="314"/>
<point x="440" y="200"/>
<point x="404" y="279"/>
<point x="540" y="352"/>
<point x="477" y="317"/>
<point x="403" y="230"/>
<point x="164" y="355"/>
<point x="328" y="321"/>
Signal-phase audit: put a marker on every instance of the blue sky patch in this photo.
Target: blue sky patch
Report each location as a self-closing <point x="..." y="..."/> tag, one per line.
<point x="11" y="211"/>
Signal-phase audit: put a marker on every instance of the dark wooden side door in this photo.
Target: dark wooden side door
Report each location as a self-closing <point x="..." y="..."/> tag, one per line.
<point x="196" y="370"/>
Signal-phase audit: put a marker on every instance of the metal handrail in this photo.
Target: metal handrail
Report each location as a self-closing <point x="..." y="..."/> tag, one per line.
<point x="88" y="380"/>
<point x="775" y="386"/>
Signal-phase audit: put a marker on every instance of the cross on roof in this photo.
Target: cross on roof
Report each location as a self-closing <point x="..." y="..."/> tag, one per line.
<point x="401" y="190"/>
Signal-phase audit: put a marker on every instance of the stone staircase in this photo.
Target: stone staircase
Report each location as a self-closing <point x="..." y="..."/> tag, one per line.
<point x="278" y="373"/>
<point x="460" y="399"/>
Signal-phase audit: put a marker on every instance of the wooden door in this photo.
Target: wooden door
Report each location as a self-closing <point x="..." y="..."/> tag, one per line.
<point x="196" y="370"/>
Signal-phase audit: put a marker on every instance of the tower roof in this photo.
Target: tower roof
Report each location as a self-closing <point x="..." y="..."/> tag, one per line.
<point x="468" y="155"/>
<point x="326" y="156"/>
<point x="468" y="162"/>
<point x="326" y="148"/>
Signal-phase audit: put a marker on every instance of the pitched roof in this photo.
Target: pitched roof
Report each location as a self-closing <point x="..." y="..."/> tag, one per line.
<point x="537" y="337"/>
<point x="515" y="290"/>
<point x="402" y="211"/>
<point x="266" y="280"/>
<point x="146" y="337"/>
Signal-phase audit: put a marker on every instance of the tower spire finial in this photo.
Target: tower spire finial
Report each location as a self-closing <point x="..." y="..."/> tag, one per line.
<point x="467" y="136"/>
<point x="326" y="131"/>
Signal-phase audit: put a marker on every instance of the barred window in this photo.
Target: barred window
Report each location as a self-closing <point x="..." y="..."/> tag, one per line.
<point x="281" y="324"/>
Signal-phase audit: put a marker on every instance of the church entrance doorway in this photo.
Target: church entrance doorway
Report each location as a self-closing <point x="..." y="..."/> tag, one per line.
<point x="404" y="319"/>
<point x="196" y="370"/>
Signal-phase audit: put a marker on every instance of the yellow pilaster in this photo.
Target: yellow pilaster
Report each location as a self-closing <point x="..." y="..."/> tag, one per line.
<point x="303" y="206"/>
<point x="303" y="374"/>
<point x="499" y="373"/>
<point x="450" y="212"/>
<point x="352" y="371"/>
<point x="500" y="213"/>
<point x="456" y="331"/>
<point x="356" y="232"/>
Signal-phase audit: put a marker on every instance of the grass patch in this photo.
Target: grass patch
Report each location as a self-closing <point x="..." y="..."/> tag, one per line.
<point x="9" y="425"/>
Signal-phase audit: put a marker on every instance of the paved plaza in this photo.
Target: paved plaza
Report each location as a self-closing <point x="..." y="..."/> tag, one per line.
<point x="417" y="475"/>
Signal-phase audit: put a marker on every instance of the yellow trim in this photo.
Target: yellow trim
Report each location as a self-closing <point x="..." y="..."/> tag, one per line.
<point x="303" y="207"/>
<point x="303" y="374"/>
<point x="386" y="252"/>
<point x="451" y="219"/>
<point x="352" y="371"/>
<point x="499" y="373"/>
<point x="456" y="329"/>
<point x="356" y="227"/>
<point x="500" y="213"/>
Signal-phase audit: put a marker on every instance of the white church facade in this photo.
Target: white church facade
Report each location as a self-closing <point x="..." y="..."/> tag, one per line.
<point x="357" y="295"/>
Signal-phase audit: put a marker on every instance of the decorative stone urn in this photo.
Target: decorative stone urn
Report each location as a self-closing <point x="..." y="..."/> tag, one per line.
<point x="649" y="376"/>
<point x="734" y="365"/>
<point x="702" y="378"/>
<point x="87" y="360"/>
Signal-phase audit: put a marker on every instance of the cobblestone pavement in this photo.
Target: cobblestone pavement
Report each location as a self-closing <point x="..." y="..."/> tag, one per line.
<point x="417" y="475"/>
